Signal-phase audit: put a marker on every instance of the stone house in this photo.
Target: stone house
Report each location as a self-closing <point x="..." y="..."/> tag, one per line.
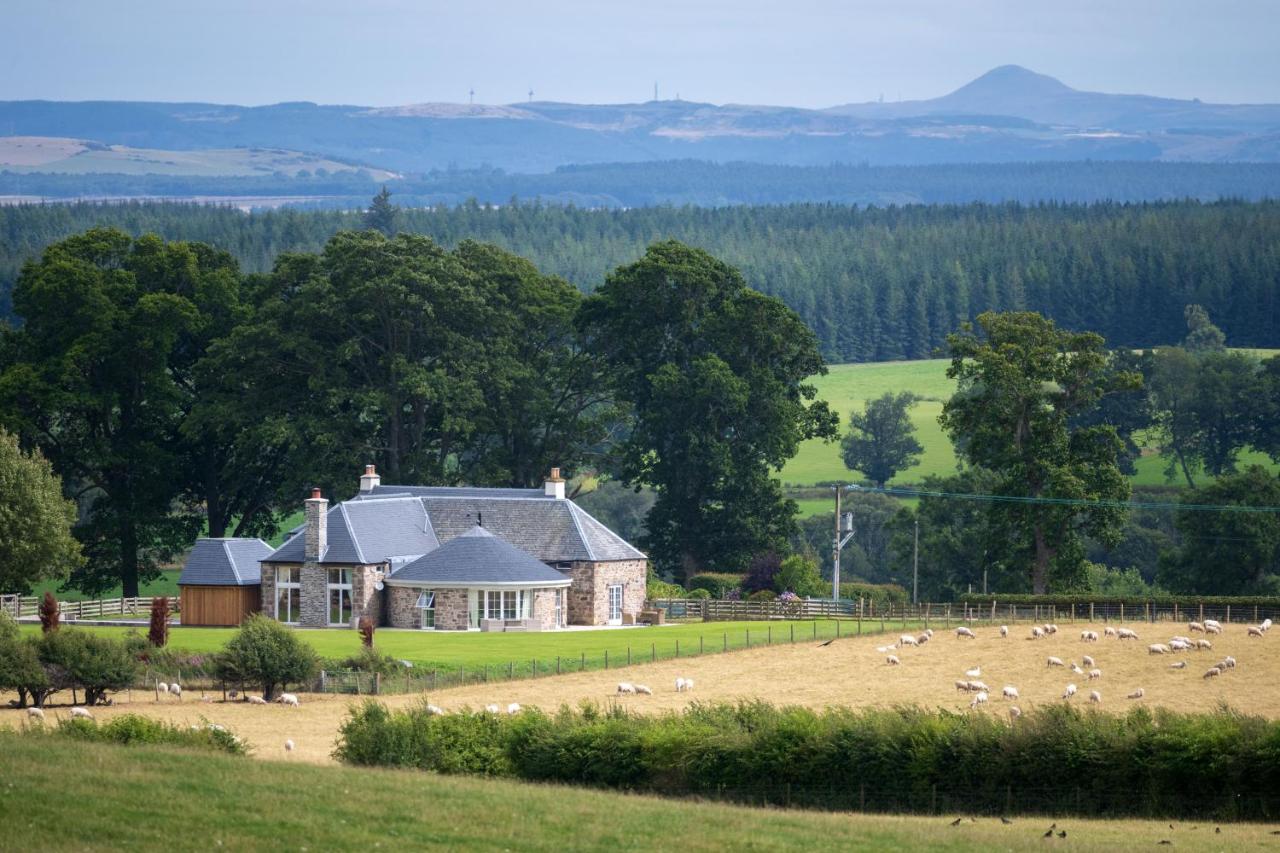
<point x="448" y="558"/>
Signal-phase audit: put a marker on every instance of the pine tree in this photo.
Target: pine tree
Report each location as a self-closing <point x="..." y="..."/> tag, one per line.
<point x="382" y="215"/>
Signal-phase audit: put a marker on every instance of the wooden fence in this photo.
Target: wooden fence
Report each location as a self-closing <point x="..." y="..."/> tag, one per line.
<point x="22" y="606"/>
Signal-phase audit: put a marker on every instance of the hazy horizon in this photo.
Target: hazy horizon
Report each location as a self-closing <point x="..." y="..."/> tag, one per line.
<point x="806" y="54"/>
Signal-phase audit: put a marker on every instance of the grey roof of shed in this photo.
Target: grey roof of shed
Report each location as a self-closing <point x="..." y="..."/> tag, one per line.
<point x="224" y="562"/>
<point x="408" y="521"/>
<point x="477" y="557"/>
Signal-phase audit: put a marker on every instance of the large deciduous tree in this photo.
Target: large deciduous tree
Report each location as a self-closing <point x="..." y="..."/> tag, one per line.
<point x="715" y="374"/>
<point x="35" y="521"/>
<point x="881" y="440"/>
<point x="1021" y="381"/>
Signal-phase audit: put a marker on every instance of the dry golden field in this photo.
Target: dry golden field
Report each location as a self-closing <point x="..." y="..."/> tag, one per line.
<point x="847" y="672"/>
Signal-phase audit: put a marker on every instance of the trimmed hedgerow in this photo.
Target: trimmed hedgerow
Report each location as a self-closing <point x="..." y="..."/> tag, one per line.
<point x="135" y="728"/>
<point x="716" y="583"/>
<point x="883" y="594"/>
<point x="1068" y="599"/>
<point x="1059" y="759"/>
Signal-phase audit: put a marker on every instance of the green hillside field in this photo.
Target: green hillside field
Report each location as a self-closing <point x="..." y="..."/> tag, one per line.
<point x="847" y="386"/>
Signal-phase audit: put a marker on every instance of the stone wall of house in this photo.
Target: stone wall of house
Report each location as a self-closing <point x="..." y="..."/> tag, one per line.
<point x="402" y="611"/>
<point x="451" y="610"/>
<point x="314" y="595"/>
<point x="268" y="589"/>
<point x="589" y="592"/>
<point x="544" y="608"/>
<point x="365" y="600"/>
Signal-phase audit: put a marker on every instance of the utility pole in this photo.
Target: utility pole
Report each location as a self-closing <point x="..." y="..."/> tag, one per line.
<point x="915" y="566"/>
<point x="843" y="525"/>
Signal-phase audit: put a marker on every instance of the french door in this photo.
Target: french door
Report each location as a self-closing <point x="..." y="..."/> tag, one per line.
<point x="615" y="604"/>
<point x="339" y="596"/>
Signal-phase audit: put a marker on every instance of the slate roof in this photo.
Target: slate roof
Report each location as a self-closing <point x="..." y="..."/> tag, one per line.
<point x="477" y="557"/>
<point x="224" y="562"/>
<point x="409" y="521"/>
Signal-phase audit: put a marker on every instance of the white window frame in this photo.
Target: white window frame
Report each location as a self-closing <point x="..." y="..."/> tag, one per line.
<point x="290" y="584"/>
<point x="427" y="603"/>
<point x="559" y="608"/>
<point x="342" y="586"/>
<point x="621" y="590"/>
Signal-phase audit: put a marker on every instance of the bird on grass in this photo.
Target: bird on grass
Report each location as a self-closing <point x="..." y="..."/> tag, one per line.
<point x="955" y="822"/>
<point x="1005" y="820"/>
<point x="1165" y="841"/>
<point x="1053" y="825"/>
<point x="827" y="643"/>
<point x="1062" y="833"/>
<point x="1048" y="833"/>
<point x="1217" y="830"/>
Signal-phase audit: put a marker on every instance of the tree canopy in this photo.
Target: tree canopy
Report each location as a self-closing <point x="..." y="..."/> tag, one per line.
<point x="35" y="521"/>
<point x="881" y="441"/>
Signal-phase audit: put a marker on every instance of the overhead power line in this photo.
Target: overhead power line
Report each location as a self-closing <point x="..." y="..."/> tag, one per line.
<point x="1080" y="502"/>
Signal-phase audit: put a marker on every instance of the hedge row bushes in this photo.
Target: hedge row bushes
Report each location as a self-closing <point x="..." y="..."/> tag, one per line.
<point x="1058" y="759"/>
<point x="716" y="583"/>
<point x="720" y="584"/>
<point x="1068" y="599"/>
<point x="881" y="594"/>
<point x="134" y="728"/>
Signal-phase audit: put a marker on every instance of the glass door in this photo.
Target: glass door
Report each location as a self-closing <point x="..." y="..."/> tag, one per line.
<point x="288" y="594"/>
<point x="615" y="604"/>
<point x="339" y="596"/>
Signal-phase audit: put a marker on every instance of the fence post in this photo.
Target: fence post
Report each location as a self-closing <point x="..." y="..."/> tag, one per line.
<point x="606" y="658"/>
<point x="628" y="655"/>
<point x="815" y="629"/>
<point x="1148" y="607"/>
<point x="653" y="653"/>
<point x="1202" y="611"/>
<point x="748" y="637"/>
<point x="582" y="664"/>
<point x="677" y="647"/>
<point x="701" y="645"/>
<point x="1090" y="611"/>
<point x="1073" y="612"/>
<point x="377" y="683"/>
<point x="1122" y="611"/>
<point x="1228" y="612"/>
<point x="837" y="629"/>
<point x="726" y="641"/>
<point x="557" y="664"/>
<point x="793" y="633"/>
<point x="769" y="640"/>
<point x="511" y="669"/>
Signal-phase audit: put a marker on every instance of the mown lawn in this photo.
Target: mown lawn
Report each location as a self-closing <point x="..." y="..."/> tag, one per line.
<point x="474" y="650"/>
<point x="64" y="795"/>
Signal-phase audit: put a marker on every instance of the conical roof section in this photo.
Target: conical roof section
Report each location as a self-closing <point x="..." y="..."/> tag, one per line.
<point x="477" y="558"/>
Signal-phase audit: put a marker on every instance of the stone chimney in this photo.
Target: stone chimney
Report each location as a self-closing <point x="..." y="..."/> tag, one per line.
<point x="554" y="487"/>
<point x="369" y="480"/>
<point x="316" y="540"/>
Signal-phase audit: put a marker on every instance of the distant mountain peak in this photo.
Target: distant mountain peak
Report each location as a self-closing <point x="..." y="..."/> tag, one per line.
<point x="1012" y="81"/>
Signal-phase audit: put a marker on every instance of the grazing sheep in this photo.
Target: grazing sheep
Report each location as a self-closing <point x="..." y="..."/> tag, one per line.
<point x="1089" y="636"/>
<point x="962" y="685"/>
<point x="492" y="708"/>
<point x="892" y="660"/>
<point x="162" y="687"/>
<point x="884" y="650"/>
<point x="1108" y="631"/>
<point x="1230" y="662"/>
<point x="1178" y="665"/>
<point x="929" y="632"/>
<point x="907" y="640"/>
<point x="257" y="700"/>
<point x="640" y="688"/>
<point x="1052" y="661"/>
<point x="232" y="695"/>
<point x="1203" y="644"/>
<point x="1266" y="625"/>
<point x="973" y="673"/>
<point x="1158" y="649"/>
<point x="435" y="710"/>
<point x="1095" y="673"/>
<point x="35" y="714"/>
<point x="978" y="686"/>
<point x="288" y="699"/>
<point x="1095" y="697"/>
<point x="288" y="745"/>
<point x="1051" y="629"/>
<point x="175" y="690"/>
<point x="82" y="713"/>
<point x="1194" y="627"/>
<point x="1212" y="629"/>
<point x="1009" y="692"/>
<point x="513" y="708"/>
<point x="1069" y="692"/>
<point x="979" y="699"/>
<point x="1255" y="631"/>
<point x="1126" y="634"/>
<point x="922" y="639"/>
<point x="1212" y="623"/>
<point x="962" y="631"/>
<point x="1212" y="672"/>
<point x="1178" y="646"/>
<point x="1014" y="712"/>
<point x="680" y="685"/>
<point x="1076" y="669"/>
<point x="1087" y="661"/>
<point x="1137" y="694"/>
<point x="626" y="687"/>
<point x="1036" y="633"/>
<point x="1004" y="631"/>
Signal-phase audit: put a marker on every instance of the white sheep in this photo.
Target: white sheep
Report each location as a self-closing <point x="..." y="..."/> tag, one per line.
<point x="684" y="684"/>
<point x="1255" y="631"/>
<point x="1089" y="636"/>
<point x="82" y="713"/>
<point x="907" y="640"/>
<point x="1204" y="644"/>
<point x="1212" y="623"/>
<point x="1158" y="649"/>
<point x="175" y="690"/>
<point x="1178" y="665"/>
<point x="1230" y="662"/>
<point x="1212" y="629"/>
<point x="641" y="688"/>
<point x="1069" y="692"/>
<point x="978" y="686"/>
<point x="979" y="699"/>
<point x="626" y="687"/>
<point x="962" y="685"/>
<point x="1052" y="661"/>
<point x="1095" y="673"/>
<point x="1004" y="631"/>
<point x="892" y="660"/>
<point x="35" y="714"/>
<point x="1137" y="694"/>
<point x="1212" y="672"/>
<point x="1108" y="631"/>
<point x="1051" y="629"/>
<point x="973" y="673"/>
<point x="1095" y="697"/>
<point x="257" y="700"/>
<point x="1036" y="633"/>
<point x="1195" y="626"/>
<point x="288" y="699"/>
<point x="1009" y="692"/>
<point x="492" y="708"/>
<point x="1266" y="624"/>
<point x="1075" y="668"/>
<point x="1126" y="634"/>
<point x="162" y="687"/>
<point x="288" y="745"/>
<point x="1087" y="661"/>
<point x="922" y="639"/>
<point x="435" y="710"/>
<point x="1014" y="712"/>
<point x="884" y="650"/>
<point x="962" y="631"/>
<point x="928" y="632"/>
<point x="513" y="708"/>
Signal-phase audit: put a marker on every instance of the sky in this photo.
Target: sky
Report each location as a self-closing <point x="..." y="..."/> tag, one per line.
<point x="797" y="53"/>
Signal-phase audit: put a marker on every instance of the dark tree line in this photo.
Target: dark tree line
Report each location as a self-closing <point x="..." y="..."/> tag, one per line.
<point x="873" y="284"/>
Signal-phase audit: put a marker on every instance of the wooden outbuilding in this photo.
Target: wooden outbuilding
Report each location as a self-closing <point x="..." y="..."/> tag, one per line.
<point x="221" y="581"/>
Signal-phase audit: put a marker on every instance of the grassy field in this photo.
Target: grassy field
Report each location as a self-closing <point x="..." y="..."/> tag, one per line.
<point x="168" y="799"/>
<point x="847" y="386"/>
<point x="166" y="584"/>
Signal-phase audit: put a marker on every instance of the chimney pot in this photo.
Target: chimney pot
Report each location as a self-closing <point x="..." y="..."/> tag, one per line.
<point x="554" y="486"/>
<point x="315" y="494"/>
<point x="370" y="479"/>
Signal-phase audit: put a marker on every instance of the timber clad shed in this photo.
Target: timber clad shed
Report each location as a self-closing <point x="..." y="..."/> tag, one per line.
<point x="221" y="581"/>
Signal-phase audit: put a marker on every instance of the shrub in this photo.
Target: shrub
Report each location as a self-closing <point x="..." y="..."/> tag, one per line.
<point x="716" y="583"/>
<point x="158" y="631"/>
<point x="656" y="587"/>
<point x="369" y="660"/>
<point x="91" y="662"/>
<point x="699" y="594"/>
<point x="366" y="628"/>
<point x="268" y="654"/>
<point x="881" y="594"/>
<point x="761" y="571"/>
<point x="128" y="729"/>
<point x="49" y="613"/>
<point x="20" y="668"/>
<point x="1067" y="599"/>
<point x="798" y="575"/>
<point x="762" y="595"/>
